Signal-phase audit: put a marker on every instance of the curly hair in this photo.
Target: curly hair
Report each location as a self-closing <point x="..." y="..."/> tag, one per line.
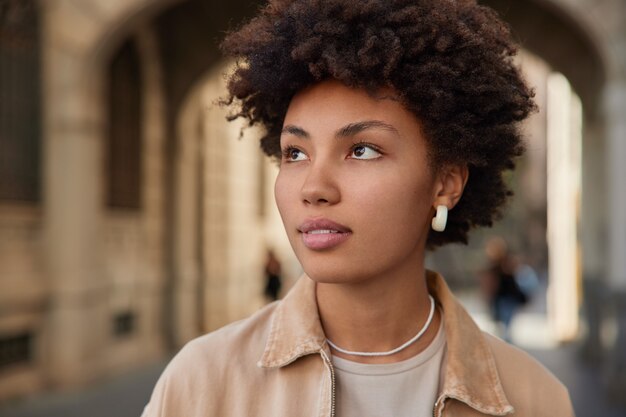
<point x="451" y="62"/>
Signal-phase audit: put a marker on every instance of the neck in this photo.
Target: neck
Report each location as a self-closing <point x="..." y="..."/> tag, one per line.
<point x="377" y="314"/>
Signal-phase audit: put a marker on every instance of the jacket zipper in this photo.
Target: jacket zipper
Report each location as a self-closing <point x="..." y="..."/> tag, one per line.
<point x="439" y="400"/>
<point x="332" y="382"/>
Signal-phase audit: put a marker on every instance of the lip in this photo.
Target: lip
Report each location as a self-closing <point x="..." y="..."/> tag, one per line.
<point x="321" y="234"/>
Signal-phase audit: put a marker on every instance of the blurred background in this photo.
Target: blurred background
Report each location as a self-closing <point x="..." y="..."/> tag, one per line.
<point x="132" y="219"/>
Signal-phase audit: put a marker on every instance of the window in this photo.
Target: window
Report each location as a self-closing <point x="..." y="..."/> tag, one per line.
<point x="20" y="104"/>
<point x="123" y="324"/>
<point x="124" y="136"/>
<point x="15" y="349"/>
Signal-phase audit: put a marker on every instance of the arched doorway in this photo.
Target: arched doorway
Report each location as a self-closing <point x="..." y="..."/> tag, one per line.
<point x="548" y="30"/>
<point x="180" y="48"/>
<point x="111" y="270"/>
<point x="570" y="47"/>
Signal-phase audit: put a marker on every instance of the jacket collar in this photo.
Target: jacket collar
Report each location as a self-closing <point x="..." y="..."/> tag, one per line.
<point x="470" y="373"/>
<point x="296" y="328"/>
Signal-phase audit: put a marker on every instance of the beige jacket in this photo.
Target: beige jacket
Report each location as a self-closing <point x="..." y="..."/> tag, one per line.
<point x="276" y="363"/>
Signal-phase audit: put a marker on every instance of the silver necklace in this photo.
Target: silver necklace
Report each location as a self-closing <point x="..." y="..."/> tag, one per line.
<point x="399" y="348"/>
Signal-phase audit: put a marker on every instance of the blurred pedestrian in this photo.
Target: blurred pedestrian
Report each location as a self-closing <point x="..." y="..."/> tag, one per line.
<point x="273" y="281"/>
<point x="503" y="291"/>
<point x="526" y="277"/>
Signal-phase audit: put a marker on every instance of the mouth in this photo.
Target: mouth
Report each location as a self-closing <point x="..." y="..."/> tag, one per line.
<point x="321" y="234"/>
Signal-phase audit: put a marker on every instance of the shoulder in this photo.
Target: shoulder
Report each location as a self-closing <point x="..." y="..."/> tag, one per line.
<point x="213" y="363"/>
<point x="242" y="339"/>
<point x="529" y="386"/>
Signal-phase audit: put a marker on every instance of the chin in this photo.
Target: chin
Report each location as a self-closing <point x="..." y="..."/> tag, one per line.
<point x="327" y="271"/>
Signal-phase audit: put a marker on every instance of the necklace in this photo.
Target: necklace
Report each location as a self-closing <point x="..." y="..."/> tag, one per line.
<point x="399" y="348"/>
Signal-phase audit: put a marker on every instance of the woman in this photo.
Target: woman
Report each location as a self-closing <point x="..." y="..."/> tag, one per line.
<point x="393" y="122"/>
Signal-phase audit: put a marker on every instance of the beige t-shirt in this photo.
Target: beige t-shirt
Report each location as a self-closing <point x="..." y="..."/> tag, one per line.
<point x="402" y="389"/>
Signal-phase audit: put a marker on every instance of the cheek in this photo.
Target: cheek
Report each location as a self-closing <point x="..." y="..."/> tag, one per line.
<point x="284" y="189"/>
<point x="396" y="207"/>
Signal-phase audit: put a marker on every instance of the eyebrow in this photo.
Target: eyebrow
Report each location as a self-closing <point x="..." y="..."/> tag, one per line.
<point x="345" y="131"/>
<point x="296" y="131"/>
<point x="358" y="127"/>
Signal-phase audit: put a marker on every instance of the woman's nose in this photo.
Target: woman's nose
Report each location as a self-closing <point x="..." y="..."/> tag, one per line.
<point x="320" y="185"/>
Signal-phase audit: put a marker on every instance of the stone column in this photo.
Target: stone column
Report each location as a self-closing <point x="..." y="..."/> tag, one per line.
<point x="73" y="198"/>
<point x="615" y="100"/>
<point x="76" y="326"/>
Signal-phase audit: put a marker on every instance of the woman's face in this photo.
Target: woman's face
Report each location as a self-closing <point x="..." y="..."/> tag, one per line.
<point x="355" y="191"/>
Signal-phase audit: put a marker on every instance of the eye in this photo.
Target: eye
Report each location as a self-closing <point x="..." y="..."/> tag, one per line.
<point x="364" y="151"/>
<point x="291" y="154"/>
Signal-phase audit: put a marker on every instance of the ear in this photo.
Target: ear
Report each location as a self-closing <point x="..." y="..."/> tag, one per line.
<point x="449" y="185"/>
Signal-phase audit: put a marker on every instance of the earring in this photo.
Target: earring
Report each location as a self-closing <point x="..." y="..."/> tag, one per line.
<point x="440" y="220"/>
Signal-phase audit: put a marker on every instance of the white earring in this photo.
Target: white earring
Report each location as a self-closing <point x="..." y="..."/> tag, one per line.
<point x="440" y="220"/>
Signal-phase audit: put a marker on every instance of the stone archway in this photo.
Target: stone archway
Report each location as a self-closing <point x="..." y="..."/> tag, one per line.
<point x="573" y="48"/>
<point x="181" y="43"/>
<point x="570" y="46"/>
<point x="79" y="39"/>
<point x="187" y="35"/>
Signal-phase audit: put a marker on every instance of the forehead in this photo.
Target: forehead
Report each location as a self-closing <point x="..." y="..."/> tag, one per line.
<point x="332" y="104"/>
